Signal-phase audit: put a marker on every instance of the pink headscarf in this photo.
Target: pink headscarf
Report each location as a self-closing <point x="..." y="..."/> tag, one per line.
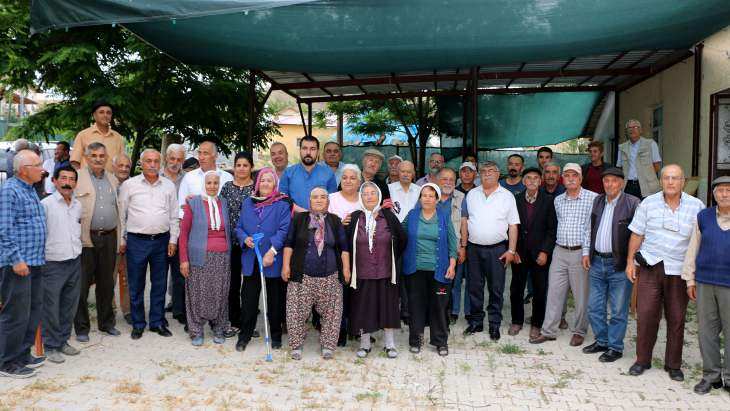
<point x="273" y="197"/>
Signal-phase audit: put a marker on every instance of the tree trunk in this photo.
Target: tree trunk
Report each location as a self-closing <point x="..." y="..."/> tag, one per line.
<point x="138" y="140"/>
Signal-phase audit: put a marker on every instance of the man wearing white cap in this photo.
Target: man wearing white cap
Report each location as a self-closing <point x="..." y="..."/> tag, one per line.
<point x="573" y="210"/>
<point x="393" y="172"/>
<point x="467" y="177"/>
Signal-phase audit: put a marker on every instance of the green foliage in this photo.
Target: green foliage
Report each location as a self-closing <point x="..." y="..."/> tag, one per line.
<point x="151" y="93"/>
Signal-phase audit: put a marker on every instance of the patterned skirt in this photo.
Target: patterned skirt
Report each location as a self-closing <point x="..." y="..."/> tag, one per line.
<point x="206" y="294"/>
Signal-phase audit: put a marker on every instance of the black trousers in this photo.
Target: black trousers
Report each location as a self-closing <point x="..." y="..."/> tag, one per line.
<point x="633" y="188"/>
<point x="21" y="310"/>
<point x="404" y="314"/>
<point x="97" y="266"/>
<point x="275" y="305"/>
<point x="428" y="303"/>
<point x="485" y="266"/>
<point x="178" y="285"/>
<point x="235" y="295"/>
<point x="539" y="276"/>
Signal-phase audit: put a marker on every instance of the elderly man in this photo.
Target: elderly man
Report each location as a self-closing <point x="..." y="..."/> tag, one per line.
<point x="489" y="220"/>
<point x="333" y="159"/>
<point x="593" y="170"/>
<point x="513" y="181"/>
<point x="404" y="193"/>
<point x="96" y="190"/>
<point x="573" y="211"/>
<point x="19" y="145"/>
<point x="535" y="244"/>
<point x="552" y="180"/>
<point x="174" y="158"/>
<point x="60" y="159"/>
<point x="193" y="183"/>
<point x="99" y="132"/>
<point x="62" y="271"/>
<point x="122" y="166"/>
<point x="706" y="270"/>
<point x="605" y="258"/>
<point x="639" y="158"/>
<point x="298" y="180"/>
<point x="22" y="240"/>
<point x="372" y="160"/>
<point x="435" y="164"/>
<point x="149" y="223"/>
<point x="393" y="171"/>
<point x="661" y="230"/>
<point x="279" y="158"/>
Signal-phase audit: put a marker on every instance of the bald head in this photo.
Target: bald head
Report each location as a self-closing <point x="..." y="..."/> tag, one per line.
<point x="207" y="154"/>
<point x="27" y="166"/>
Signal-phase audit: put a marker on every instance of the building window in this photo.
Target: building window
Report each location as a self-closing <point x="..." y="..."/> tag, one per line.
<point x="657" y="122"/>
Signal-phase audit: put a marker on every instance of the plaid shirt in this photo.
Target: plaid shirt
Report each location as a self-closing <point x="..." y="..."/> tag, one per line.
<point x="22" y="225"/>
<point x="574" y="214"/>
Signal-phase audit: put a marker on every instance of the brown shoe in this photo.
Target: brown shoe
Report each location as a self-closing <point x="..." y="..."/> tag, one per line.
<point x="563" y="324"/>
<point x="514" y="329"/>
<point x="541" y="339"/>
<point x="576" y="341"/>
<point x="534" y="332"/>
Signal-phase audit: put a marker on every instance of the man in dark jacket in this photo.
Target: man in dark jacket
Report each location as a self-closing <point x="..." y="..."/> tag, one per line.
<point x="535" y="244"/>
<point x="605" y="257"/>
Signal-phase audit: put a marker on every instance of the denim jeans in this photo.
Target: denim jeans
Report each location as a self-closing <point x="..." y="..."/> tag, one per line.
<point x="609" y="289"/>
<point x="461" y="275"/>
<point x="142" y="252"/>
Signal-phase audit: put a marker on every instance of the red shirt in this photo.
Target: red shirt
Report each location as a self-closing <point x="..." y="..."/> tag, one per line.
<point x="592" y="180"/>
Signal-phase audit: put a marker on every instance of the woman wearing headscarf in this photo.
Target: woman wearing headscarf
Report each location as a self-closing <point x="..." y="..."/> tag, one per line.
<point x="316" y="265"/>
<point x="347" y="200"/>
<point x="428" y="265"/>
<point x="267" y="211"/>
<point x="376" y="239"/>
<point x="236" y="192"/>
<point x="205" y="241"/>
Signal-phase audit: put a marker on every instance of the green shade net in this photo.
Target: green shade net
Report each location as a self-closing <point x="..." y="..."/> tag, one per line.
<point x="519" y="120"/>
<point x="368" y="36"/>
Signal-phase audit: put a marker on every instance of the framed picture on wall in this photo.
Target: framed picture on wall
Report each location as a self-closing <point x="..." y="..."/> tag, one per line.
<point x="723" y="134"/>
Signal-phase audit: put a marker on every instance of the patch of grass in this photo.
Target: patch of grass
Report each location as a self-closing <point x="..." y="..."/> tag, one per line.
<point x="359" y="361"/>
<point x="511" y="349"/>
<point x="540" y="351"/>
<point x="657" y="363"/>
<point x="369" y="396"/>
<point x="565" y="377"/>
<point x="128" y="387"/>
<point x="465" y="367"/>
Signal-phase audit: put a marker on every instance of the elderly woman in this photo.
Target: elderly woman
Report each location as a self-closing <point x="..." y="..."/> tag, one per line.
<point x="205" y="241"/>
<point x="347" y="200"/>
<point x="267" y="211"/>
<point x="235" y="193"/>
<point x="428" y="265"/>
<point x="377" y="240"/>
<point x="316" y="265"/>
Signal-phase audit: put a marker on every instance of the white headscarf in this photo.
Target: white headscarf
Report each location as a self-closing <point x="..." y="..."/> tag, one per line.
<point x="214" y="213"/>
<point x="370" y="215"/>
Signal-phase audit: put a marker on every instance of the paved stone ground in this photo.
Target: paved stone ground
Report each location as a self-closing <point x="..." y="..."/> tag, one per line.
<point x="168" y="373"/>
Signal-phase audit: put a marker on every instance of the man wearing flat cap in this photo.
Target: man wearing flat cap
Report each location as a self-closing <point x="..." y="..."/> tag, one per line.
<point x="372" y="160"/>
<point x="605" y="258"/>
<point x="706" y="270"/>
<point x="101" y="132"/>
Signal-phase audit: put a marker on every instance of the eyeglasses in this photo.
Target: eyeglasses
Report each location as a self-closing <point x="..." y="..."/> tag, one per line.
<point x="36" y="165"/>
<point x="672" y="178"/>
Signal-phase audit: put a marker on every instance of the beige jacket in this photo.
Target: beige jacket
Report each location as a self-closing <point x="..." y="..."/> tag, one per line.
<point x="648" y="181"/>
<point x="87" y="197"/>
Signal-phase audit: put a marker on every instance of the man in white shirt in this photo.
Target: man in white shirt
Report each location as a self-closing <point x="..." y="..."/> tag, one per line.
<point x="62" y="271"/>
<point x="194" y="181"/>
<point x="489" y="221"/>
<point x="150" y="227"/>
<point x="404" y="193"/>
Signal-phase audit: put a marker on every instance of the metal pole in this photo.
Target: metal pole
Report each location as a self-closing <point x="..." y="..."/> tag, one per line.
<point x="309" y="117"/>
<point x="340" y="128"/>
<point x="474" y="111"/>
<point x="464" y="128"/>
<point x="251" y="110"/>
<point x="696" y="110"/>
<point x="616" y="124"/>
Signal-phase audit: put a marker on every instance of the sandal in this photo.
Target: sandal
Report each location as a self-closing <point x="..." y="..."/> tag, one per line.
<point x="443" y="351"/>
<point x="391" y="352"/>
<point x="363" y="352"/>
<point x="231" y="332"/>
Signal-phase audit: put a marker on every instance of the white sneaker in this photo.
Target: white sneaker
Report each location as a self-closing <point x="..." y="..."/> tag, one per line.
<point x="55" y="356"/>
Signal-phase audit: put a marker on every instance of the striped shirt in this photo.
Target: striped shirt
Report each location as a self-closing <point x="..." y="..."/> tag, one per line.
<point x="22" y="225"/>
<point x="666" y="232"/>
<point x="574" y="214"/>
<point x="604" y="234"/>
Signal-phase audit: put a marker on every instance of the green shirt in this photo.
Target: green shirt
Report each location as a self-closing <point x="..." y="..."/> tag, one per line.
<point x="428" y="234"/>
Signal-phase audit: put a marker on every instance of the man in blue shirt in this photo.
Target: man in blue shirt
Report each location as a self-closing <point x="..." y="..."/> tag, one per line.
<point x="22" y="253"/>
<point x="298" y="180"/>
<point x="513" y="181"/>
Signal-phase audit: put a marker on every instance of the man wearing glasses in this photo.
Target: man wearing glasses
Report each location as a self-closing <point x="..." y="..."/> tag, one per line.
<point x="639" y="157"/>
<point x="660" y="234"/>
<point x="22" y="253"/>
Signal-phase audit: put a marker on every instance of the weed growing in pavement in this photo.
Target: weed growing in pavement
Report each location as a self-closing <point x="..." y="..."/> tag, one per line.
<point x="511" y="349"/>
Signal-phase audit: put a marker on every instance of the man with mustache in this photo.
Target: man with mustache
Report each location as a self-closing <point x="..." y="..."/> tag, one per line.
<point x="513" y="182"/>
<point x="62" y="271"/>
<point x="99" y="132"/>
<point x="298" y="180"/>
<point x="149" y="224"/>
<point x="435" y="164"/>
<point x="96" y="190"/>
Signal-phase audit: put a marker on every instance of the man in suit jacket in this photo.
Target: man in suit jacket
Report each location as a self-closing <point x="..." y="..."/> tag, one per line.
<point x="535" y="244"/>
<point x="605" y="257"/>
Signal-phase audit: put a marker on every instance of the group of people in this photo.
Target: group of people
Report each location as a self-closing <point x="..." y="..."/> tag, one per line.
<point x="358" y="253"/>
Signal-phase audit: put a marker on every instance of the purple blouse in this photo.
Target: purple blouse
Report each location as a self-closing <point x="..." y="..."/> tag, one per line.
<point x="378" y="264"/>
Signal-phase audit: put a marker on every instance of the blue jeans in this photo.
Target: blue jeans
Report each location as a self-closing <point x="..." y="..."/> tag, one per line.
<point x="611" y="287"/>
<point x="142" y="251"/>
<point x="461" y="274"/>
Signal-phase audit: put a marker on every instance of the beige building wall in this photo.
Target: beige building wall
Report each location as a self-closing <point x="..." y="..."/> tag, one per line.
<point x="673" y="90"/>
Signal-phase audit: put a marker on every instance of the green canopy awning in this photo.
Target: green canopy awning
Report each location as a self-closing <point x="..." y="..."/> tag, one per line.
<point x="384" y="36"/>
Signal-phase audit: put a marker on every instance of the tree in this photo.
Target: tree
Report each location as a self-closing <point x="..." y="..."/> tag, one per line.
<point x="151" y="93"/>
<point x="373" y="117"/>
